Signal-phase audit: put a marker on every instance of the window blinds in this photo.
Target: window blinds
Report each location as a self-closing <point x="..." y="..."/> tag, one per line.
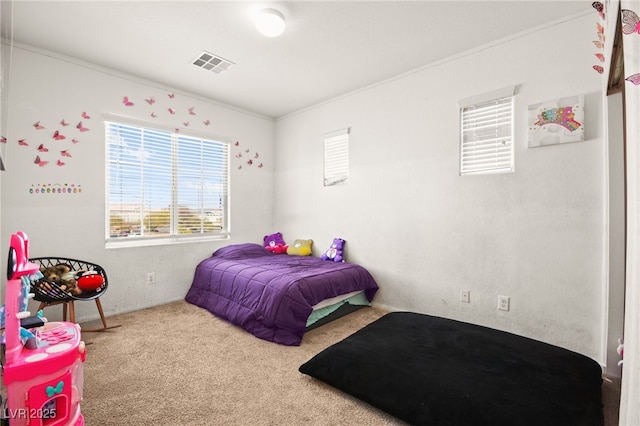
<point x="336" y="157"/>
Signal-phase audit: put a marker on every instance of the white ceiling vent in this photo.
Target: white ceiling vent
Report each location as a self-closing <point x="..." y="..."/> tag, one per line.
<point x="211" y="62"/>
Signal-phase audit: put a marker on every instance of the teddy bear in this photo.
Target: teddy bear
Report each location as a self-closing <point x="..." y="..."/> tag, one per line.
<point x="62" y="275"/>
<point x="275" y="243"/>
<point x="334" y="252"/>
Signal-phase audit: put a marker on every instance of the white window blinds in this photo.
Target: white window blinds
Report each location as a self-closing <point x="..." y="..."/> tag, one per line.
<point x="486" y="133"/>
<point x="336" y="157"/>
<point x="162" y="184"/>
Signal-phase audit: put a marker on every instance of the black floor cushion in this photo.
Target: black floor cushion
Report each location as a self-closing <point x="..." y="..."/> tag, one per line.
<point x="428" y="370"/>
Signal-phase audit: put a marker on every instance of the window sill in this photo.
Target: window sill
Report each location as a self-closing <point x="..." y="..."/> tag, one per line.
<point x="155" y="241"/>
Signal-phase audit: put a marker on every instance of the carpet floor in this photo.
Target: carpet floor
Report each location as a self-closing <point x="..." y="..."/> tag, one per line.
<point x="178" y="364"/>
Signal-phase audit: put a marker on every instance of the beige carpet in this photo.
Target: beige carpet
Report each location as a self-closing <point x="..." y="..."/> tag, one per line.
<point x="177" y="364"/>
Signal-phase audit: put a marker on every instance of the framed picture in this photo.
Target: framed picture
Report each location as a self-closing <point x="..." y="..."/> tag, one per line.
<point x="557" y="121"/>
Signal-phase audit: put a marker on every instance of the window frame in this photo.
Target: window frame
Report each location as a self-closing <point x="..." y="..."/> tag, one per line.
<point x="336" y="157"/>
<point x="173" y="236"/>
<point x="500" y="103"/>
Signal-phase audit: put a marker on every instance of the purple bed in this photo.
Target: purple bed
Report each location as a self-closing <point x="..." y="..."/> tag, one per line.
<point x="271" y="295"/>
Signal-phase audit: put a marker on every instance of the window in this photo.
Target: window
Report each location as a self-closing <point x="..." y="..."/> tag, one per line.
<point x="486" y="133"/>
<point x="163" y="185"/>
<point x="336" y="157"/>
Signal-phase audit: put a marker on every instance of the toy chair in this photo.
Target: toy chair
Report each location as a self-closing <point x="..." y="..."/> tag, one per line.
<point x="49" y="293"/>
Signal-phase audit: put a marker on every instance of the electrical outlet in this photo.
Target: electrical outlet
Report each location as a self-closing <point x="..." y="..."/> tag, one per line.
<point x="465" y="296"/>
<point x="503" y="303"/>
<point x="151" y="277"/>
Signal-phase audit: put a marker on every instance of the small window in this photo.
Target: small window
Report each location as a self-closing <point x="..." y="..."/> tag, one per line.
<point x="163" y="185"/>
<point x="486" y="133"/>
<point x="336" y="157"/>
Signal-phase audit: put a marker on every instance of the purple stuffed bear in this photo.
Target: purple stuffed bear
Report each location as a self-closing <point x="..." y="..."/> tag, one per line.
<point x="334" y="252"/>
<point x="275" y="243"/>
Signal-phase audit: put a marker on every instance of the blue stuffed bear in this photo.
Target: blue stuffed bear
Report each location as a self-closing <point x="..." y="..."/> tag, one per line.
<point x="335" y="251"/>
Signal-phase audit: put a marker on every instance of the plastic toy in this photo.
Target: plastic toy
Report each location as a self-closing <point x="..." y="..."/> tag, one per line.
<point x="334" y="252"/>
<point x="43" y="366"/>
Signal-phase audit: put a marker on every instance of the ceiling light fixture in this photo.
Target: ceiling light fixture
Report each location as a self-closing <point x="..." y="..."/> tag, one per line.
<point x="270" y="22"/>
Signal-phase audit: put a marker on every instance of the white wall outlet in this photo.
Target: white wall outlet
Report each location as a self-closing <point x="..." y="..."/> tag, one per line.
<point x="503" y="303"/>
<point x="151" y="277"/>
<point x="465" y="296"/>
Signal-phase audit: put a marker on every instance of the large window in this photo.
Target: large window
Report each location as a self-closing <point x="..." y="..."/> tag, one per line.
<point x="486" y="133"/>
<point x="164" y="185"/>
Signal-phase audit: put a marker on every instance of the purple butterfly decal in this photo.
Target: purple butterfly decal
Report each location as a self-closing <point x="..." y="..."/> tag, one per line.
<point x="635" y="79"/>
<point x="630" y="22"/>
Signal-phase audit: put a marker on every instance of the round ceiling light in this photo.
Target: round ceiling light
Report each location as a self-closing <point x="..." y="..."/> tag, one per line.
<point x="270" y="22"/>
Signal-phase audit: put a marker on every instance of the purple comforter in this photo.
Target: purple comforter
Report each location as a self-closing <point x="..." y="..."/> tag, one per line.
<point x="271" y="295"/>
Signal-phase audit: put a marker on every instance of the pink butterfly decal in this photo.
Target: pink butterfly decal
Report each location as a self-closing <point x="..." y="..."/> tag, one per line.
<point x="256" y="156"/>
<point x="80" y="127"/>
<point x="635" y="79"/>
<point x="65" y="153"/>
<point x="186" y="124"/>
<point x="86" y="116"/>
<point x="246" y="150"/>
<point x="600" y="56"/>
<point x="58" y="136"/>
<point x="598" y="44"/>
<point x="150" y="100"/>
<point x="191" y="112"/>
<point x="600" y="28"/>
<point x="22" y="142"/>
<point x="177" y="130"/>
<point x="64" y="123"/>
<point x="599" y="7"/>
<point x="42" y="148"/>
<point x="630" y="22"/>
<point x="237" y="143"/>
<point x="74" y="140"/>
<point x="598" y="68"/>
<point x="250" y="162"/>
<point x="171" y="111"/>
<point x="60" y="163"/>
<point x="171" y="95"/>
<point x="240" y="167"/>
<point x="260" y="165"/>
<point x="3" y="139"/>
<point x="38" y="126"/>
<point x="239" y="155"/>
<point x="153" y="115"/>
<point x="126" y="101"/>
<point x="39" y="162"/>
<point x="206" y="122"/>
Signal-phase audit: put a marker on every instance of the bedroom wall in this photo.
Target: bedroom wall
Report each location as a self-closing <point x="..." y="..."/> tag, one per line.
<point x="426" y="233"/>
<point x="46" y="88"/>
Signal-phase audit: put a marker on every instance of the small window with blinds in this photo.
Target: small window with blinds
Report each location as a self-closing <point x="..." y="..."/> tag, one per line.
<point x="486" y="133"/>
<point x="336" y="157"/>
<point x="164" y="185"/>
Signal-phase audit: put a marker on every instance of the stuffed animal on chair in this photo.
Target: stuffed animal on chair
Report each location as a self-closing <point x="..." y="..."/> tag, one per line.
<point x="275" y="243"/>
<point x="335" y="251"/>
<point x="63" y="276"/>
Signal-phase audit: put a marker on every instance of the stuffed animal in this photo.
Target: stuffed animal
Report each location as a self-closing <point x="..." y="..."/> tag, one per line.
<point x="63" y="276"/>
<point x="275" y="243"/>
<point x="335" y="251"/>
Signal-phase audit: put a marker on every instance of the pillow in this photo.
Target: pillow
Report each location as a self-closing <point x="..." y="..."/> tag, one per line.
<point x="334" y="252"/>
<point x="300" y="248"/>
<point x="275" y="243"/>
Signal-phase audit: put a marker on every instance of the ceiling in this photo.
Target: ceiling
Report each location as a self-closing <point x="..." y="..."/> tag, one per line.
<point x="329" y="48"/>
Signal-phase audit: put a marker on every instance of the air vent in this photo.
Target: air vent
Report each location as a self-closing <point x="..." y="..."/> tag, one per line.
<point x="211" y="62"/>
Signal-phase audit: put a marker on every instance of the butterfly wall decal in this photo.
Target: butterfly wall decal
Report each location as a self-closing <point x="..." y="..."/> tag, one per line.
<point x="40" y="162"/>
<point x="153" y="115"/>
<point x="63" y="123"/>
<point x="634" y="78"/>
<point x="630" y="22"/>
<point x="42" y="148"/>
<point x="60" y="163"/>
<point x="65" y="153"/>
<point x="85" y="116"/>
<point x="74" y="140"/>
<point x="191" y="111"/>
<point x="3" y="139"/>
<point x="127" y="102"/>
<point x="23" y="142"/>
<point x="171" y="95"/>
<point x="171" y="111"/>
<point x="600" y="56"/>
<point x="599" y="69"/>
<point x="206" y="122"/>
<point x="80" y="127"/>
<point x="38" y="126"/>
<point x="599" y="7"/>
<point x="58" y="136"/>
<point x="150" y="100"/>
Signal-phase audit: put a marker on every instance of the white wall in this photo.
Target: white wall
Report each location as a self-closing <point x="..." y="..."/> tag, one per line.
<point x="47" y="88"/>
<point x="426" y="233"/>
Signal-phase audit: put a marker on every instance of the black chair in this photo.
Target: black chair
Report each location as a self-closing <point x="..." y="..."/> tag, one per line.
<point x="49" y="293"/>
